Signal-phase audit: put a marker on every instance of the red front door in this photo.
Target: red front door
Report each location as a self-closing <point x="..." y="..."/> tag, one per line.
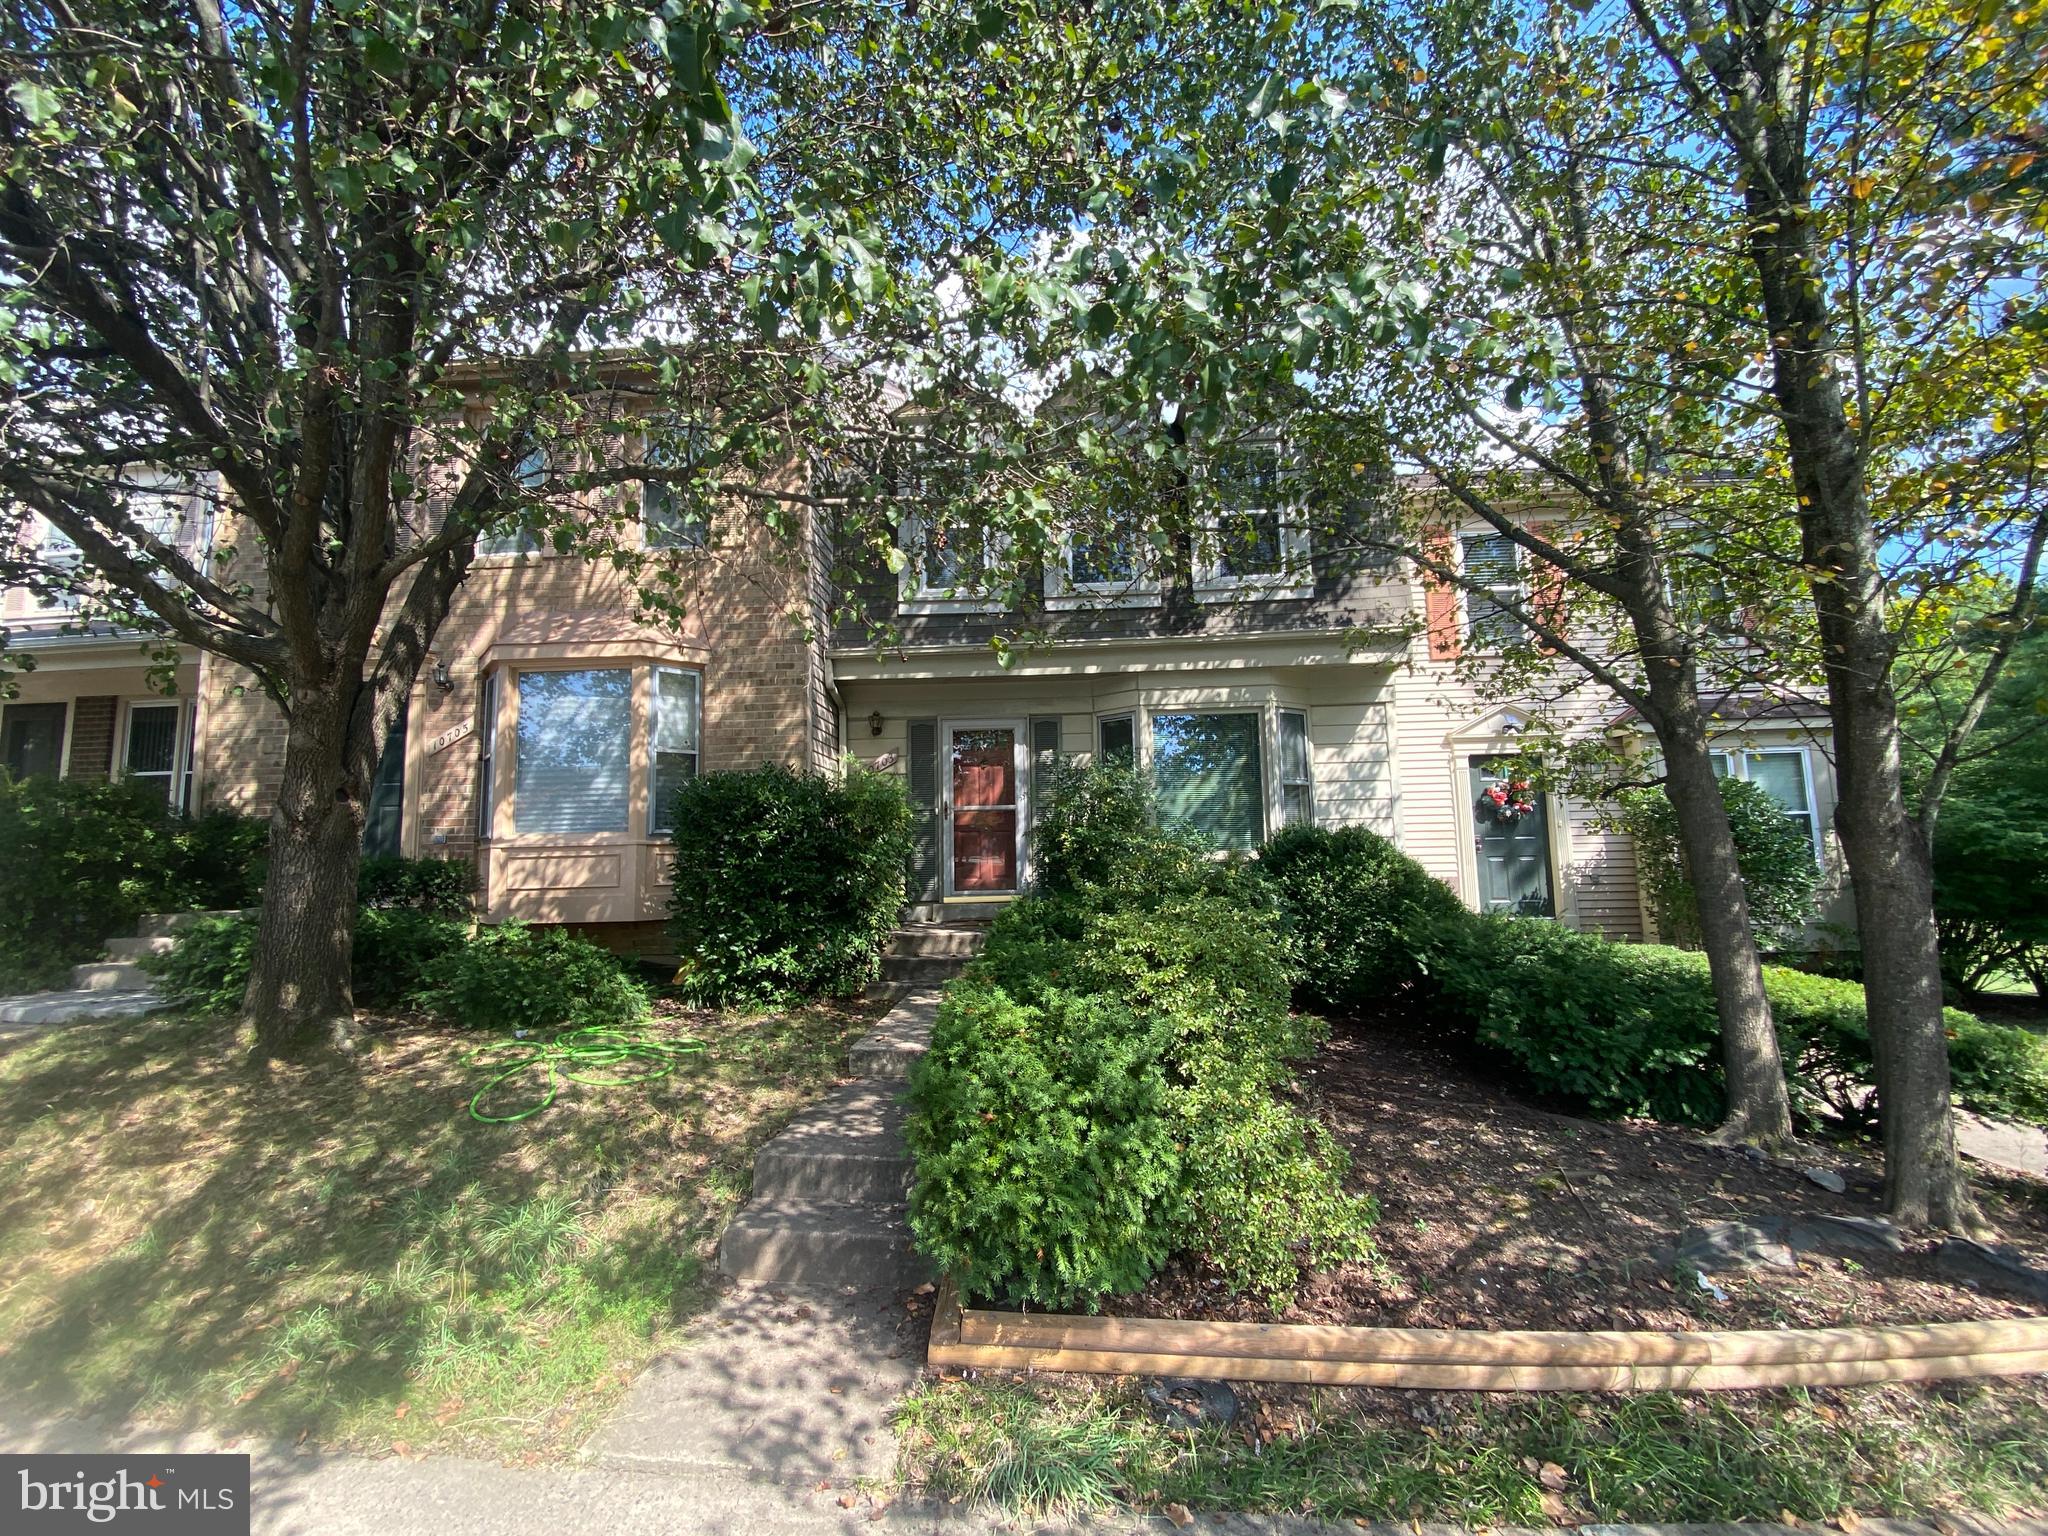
<point x="981" y="790"/>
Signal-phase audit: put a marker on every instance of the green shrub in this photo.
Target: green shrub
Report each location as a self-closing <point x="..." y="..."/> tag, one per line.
<point x="514" y="977"/>
<point x="81" y="860"/>
<point x="1631" y="1029"/>
<point x="209" y="969"/>
<point x="1355" y="910"/>
<point x="1621" y="1029"/>
<point x="787" y="885"/>
<point x="1046" y="1170"/>
<point x="1098" y="829"/>
<point x="1201" y="978"/>
<point x="396" y="950"/>
<point x="1995" y="1069"/>
<point x="1773" y="852"/>
<point x="446" y="886"/>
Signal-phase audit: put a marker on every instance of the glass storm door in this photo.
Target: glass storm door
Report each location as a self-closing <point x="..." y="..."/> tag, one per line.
<point x="984" y="821"/>
<point x="1510" y="844"/>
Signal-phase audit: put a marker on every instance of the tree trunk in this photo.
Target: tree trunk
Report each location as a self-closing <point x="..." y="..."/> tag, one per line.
<point x="1759" y="1108"/>
<point x="1889" y="869"/>
<point x="299" y="997"/>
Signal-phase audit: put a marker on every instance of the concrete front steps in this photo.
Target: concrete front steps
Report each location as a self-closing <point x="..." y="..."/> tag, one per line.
<point x="114" y="988"/>
<point x="830" y="1192"/>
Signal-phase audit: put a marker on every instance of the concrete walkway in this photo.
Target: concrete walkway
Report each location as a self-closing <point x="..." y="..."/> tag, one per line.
<point x="792" y="1386"/>
<point x="2003" y="1143"/>
<point x="34" y="1011"/>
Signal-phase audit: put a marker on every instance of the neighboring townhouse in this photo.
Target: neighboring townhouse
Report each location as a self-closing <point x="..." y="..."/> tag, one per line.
<point x="1269" y="673"/>
<point x="95" y="705"/>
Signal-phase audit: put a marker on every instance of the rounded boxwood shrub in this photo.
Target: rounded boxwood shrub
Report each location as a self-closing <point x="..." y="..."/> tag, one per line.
<point x="514" y="977"/>
<point x="1619" y="1029"/>
<point x="786" y="884"/>
<point x="1201" y="980"/>
<point x="1356" y="910"/>
<point x="1046" y="1169"/>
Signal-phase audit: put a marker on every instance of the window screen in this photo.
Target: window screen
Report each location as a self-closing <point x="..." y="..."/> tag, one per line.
<point x="574" y="736"/>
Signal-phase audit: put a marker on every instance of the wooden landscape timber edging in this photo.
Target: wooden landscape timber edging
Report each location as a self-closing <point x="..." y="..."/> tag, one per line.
<point x="1479" y="1360"/>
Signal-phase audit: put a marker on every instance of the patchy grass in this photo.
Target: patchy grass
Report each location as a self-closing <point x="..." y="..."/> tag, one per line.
<point x="1062" y="1445"/>
<point x="340" y="1252"/>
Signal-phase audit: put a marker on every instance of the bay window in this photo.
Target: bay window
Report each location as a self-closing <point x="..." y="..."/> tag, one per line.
<point x="574" y="751"/>
<point x="1207" y="771"/>
<point x="1297" y="793"/>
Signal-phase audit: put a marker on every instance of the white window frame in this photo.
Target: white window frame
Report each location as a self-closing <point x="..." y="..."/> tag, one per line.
<point x="1119" y="717"/>
<point x="178" y="793"/>
<point x="1737" y="759"/>
<point x="914" y="597"/>
<point x="636" y="745"/>
<point x="1519" y="588"/>
<point x="1296" y="576"/>
<point x="655" y="806"/>
<point x="1143" y="590"/>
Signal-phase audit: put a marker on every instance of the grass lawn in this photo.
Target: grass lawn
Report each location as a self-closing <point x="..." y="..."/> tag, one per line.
<point x="1056" y="1445"/>
<point x="340" y="1252"/>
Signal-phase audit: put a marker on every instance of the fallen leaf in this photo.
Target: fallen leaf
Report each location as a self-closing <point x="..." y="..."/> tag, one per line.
<point x="1786" y="1517"/>
<point x="401" y="1410"/>
<point x="835" y="1391"/>
<point x="1554" y="1507"/>
<point x="924" y="1290"/>
<point x="401" y="1450"/>
<point x="1849" y="1520"/>
<point x="847" y="1501"/>
<point x="1551" y="1475"/>
<point x="1180" y="1515"/>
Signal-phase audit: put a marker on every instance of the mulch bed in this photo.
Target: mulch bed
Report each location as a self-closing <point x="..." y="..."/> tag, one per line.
<point x="1496" y="1213"/>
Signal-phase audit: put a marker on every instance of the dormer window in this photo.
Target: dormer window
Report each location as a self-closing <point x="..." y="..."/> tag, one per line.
<point x="1252" y="540"/>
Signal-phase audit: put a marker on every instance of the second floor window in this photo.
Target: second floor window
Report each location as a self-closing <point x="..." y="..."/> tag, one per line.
<point x="953" y="565"/>
<point x="1492" y="561"/>
<point x="674" y="515"/>
<point x="1251" y="539"/>
<point x="524" y="535"/>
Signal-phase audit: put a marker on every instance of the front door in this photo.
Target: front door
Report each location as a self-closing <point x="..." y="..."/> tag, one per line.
<point x="1510" y="843"/>
<point x="984" y="786"/>
<point x="32" y="739"/>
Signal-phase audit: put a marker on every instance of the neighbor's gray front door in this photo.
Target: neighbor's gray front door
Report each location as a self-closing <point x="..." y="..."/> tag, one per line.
<point x="1514" y="855"/>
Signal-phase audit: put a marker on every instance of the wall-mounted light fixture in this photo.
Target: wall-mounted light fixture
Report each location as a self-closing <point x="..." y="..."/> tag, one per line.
<point x="875" y="723"/>
<point x="443" y="679"/>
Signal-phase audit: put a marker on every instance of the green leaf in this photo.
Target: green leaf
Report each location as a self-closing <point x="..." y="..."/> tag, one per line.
<point x="38" y="103"/>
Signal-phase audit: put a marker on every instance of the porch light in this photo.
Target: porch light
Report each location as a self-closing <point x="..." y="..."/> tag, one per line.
<point x="875" y="723"/>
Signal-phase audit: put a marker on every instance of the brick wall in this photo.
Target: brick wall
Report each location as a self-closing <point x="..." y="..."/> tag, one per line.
<point x="92" y="737"/>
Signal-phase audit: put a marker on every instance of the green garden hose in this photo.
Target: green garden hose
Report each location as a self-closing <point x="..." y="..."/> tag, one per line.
<point x="599" y="1055"/>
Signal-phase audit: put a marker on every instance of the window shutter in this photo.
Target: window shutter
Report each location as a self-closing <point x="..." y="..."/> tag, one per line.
<point x="1546" y="589"/>
<point x="921" y="768"/>
<point x="1440" y="604"/>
